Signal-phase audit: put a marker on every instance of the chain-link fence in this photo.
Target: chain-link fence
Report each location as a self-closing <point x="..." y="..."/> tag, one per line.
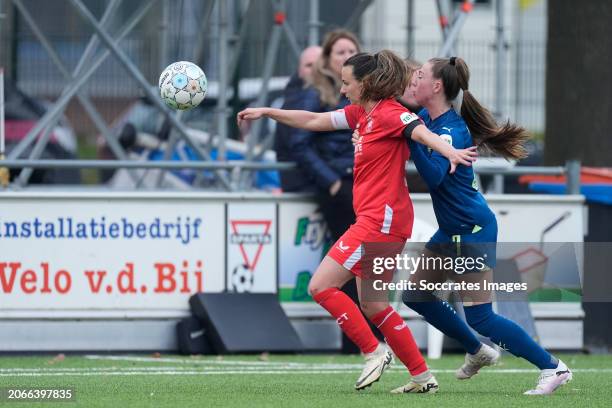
<point x="111" y="88"/>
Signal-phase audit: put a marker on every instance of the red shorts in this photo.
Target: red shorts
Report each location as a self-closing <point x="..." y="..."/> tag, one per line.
<point x="349" y="252"/>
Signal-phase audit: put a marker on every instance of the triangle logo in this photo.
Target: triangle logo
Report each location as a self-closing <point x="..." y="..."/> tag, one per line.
<point x="250" y="236"/>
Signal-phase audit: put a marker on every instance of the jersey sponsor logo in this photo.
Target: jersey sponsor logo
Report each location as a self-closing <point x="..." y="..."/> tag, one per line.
<point x="407" y="117"/>
<point x="369" y="125"/>
<point x="358" y="149"/>
<point x="447" y="138"/>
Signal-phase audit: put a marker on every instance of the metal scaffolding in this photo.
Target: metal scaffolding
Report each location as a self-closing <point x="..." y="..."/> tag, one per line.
<point x="103" y="44"/>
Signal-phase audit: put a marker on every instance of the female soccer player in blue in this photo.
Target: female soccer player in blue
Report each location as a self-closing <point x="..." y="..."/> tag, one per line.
<point x="467" y="226"/>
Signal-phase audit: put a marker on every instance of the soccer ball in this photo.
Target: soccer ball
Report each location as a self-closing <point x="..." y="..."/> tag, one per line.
<point x="242" y="279"/>
<point x="182" y="85"/>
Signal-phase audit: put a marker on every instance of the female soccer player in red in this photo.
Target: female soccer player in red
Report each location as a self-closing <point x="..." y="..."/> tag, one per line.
<point x="382" y="205"/>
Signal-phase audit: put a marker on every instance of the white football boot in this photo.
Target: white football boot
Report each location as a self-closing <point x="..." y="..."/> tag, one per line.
<point x="429" y="386"/>
<point x="486" y="356"/>
<point x="551" y="379"/>
<point x="376" y="363"/>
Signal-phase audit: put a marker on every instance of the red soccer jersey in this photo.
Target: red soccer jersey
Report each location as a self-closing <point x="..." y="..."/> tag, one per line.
<point x="380" y="193"/>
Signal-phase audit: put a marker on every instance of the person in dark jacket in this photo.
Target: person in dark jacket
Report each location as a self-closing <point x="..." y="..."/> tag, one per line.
<point x="294" y="180"/>
<point x="325" y="159"/>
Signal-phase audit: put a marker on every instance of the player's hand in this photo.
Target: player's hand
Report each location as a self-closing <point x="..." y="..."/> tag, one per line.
<point x="356" y="137"/>
<point x="250" y="114"/>
<point x="463" y="156"/>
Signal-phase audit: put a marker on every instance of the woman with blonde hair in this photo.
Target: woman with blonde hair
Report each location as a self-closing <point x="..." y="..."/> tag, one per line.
<point x="325" y="159"/>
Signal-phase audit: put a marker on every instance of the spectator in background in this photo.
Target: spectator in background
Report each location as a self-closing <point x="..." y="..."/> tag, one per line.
<point x="294" y="180"/>
<point x="325" y="159"/>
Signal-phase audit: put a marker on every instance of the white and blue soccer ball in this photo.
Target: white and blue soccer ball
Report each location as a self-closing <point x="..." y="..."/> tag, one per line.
<point x="182" y="85"/>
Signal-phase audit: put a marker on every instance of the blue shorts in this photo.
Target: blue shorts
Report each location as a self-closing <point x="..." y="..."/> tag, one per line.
<point x="479" y="245"/>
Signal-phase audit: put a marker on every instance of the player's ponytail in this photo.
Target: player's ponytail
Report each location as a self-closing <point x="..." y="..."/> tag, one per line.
<point x="383" y="75"/>
<point x="508" y="140"/>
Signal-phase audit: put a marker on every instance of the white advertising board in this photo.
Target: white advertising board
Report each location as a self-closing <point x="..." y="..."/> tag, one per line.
<point x="108" y="253"/>
<point x="251" y="247"/>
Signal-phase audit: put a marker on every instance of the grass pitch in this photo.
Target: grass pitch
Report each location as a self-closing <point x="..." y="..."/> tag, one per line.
<point x="290" y="381"/>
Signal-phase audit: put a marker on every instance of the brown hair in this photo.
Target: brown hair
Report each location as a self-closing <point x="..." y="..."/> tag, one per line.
<point x="507" y="140"/>
<point x="412" y="66"/>
<point x="323" y="78"/>
<point x="383" y="75"/>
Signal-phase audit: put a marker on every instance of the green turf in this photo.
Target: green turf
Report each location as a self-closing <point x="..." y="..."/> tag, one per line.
<point x="212" y="381"/>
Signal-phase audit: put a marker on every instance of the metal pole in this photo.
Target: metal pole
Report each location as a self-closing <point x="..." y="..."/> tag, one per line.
<point x="270" y="61"/>
<point x="198" y="56"/>
<point x="444" y="11"/>
<point x="164" y="54"/>
<point x="173" y="139"/>
<point x="518" y="48"/>
<point x="572" y="169"/>
<point x="2" y="146"/>
<point x="4" y="173"/>
<point x="314" y="23"/>
<point x="410" y="42"/>
<point x="293" y="44"/>
<point x="353" y="20"/>
<point x="498" y="184"/>
<point x="500" y="80"/>
<point x="71" y="90"/>
<point x="442" y="20"/>
<point x="81" y="95"/>
<point x="134" y="164"/>
<point x="454" y="31"/>
<point x="244" y="25"/>
<point x="146" y="87"/>
<point x="222" y="113"/>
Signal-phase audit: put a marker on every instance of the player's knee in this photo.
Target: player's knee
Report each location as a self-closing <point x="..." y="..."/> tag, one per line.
<point x="314" y="288"/>
<point x="372" y="308"/>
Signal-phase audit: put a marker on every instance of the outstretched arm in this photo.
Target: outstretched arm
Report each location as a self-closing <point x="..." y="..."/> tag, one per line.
<point x="421" y="134"/>
<point x="313" y="121"/>
<point x="432" y="169"/>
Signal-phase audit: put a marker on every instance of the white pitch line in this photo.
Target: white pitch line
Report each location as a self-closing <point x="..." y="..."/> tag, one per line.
<point x="219" y="362"/>
<point x="177" y="368"/>
<point x="278" y="365"/>
<point x="20" y="372"/>
<point x="180" y="372"/>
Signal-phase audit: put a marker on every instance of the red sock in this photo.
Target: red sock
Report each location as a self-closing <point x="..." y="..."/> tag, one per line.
<point x="349" y="318"/>
<point x="399" y="338"/>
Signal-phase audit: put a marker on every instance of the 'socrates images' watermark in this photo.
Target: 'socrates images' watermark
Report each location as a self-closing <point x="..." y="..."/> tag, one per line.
<point x="483" y="271"/>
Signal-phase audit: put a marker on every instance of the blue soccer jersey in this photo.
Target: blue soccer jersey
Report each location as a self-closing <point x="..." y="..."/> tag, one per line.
<point x="459" y="207"/>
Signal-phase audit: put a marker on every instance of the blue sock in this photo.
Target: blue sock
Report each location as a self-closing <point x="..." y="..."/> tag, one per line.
<point x="509" y="335"/>
<point x="443" y="317"/>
